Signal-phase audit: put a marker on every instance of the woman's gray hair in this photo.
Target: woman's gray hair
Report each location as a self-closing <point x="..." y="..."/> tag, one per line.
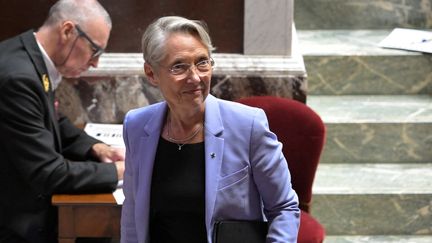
<point x="153" y="39"/>
<point x="78" y="11"/>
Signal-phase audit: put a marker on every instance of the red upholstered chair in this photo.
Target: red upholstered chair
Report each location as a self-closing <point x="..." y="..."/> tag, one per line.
<point x="302" y="133"/>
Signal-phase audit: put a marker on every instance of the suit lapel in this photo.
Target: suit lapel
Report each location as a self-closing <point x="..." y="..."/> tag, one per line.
<point x="32" y="48"/>
<point x="214" y="144"/>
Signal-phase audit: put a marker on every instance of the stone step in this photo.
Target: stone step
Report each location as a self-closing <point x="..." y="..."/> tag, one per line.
<point x="374" y="199"/>
<point x="375" y="128"/>
<point x="378" y="239"/>
<point x="350" y="62"/>
<point x="362" y="14"/>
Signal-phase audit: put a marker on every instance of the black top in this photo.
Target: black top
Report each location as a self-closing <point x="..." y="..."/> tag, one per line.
<point x="177" y="204"/>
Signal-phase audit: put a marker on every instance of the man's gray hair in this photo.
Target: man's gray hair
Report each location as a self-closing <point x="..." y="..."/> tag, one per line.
<point x="78" y="11"/>
<point x="153" y="39"/>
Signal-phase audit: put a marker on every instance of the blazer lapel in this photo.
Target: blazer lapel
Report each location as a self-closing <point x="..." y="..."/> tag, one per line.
<point x="32" y="48"/>
<point x="147" y="152"/>
<point x="214" y="144"/>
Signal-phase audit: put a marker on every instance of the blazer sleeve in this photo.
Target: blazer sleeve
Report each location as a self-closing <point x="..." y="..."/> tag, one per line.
<point x="273" y="180"/>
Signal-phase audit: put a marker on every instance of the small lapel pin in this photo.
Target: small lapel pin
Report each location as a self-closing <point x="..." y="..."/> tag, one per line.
<point x="46" y="82"/>
<point x="212" y="155"/>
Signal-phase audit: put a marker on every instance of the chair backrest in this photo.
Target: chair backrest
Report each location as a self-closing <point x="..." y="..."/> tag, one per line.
<point x="302" y="133"/>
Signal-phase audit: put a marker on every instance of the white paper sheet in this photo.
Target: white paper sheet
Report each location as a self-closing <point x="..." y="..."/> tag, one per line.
<point x="409" y="39"/>
<point x="111" y="134"/>
<point x="119" y="196"/>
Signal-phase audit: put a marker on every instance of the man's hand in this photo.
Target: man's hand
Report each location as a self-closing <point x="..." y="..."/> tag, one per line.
<point x="108" y="154"/>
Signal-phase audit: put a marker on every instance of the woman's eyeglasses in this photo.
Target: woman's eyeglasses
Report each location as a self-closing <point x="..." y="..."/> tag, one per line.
<point x="202" y="67"/>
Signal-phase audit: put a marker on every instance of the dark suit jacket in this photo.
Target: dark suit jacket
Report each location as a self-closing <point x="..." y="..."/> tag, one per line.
<point x="37" y="147"/>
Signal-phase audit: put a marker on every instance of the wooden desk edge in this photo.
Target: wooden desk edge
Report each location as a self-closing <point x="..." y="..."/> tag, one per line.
<point x="90" y="199"/>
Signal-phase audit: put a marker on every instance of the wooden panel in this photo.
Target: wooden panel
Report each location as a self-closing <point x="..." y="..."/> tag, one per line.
<point x="94" y="199"/>
<point x="87" y="215"/>
<point x="66" y="240"/>
<point x="20" y="15"/>
<point x="66" y="227"/>
<point x="130" y="17"/>
<point x="97" y="221"/>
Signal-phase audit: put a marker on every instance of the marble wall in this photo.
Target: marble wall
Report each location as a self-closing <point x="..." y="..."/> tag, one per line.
<point x="394" y="214"/>
<point x="348" y="62"/>
<point x="106" y="100"/>
<point x="363" y="14"/>
<point x="105" y="94"/>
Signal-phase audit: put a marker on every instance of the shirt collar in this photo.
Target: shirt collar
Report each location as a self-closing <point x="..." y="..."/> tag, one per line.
<point x="54" y="75"/>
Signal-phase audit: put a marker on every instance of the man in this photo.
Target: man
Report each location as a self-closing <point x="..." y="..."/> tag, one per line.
<point x="41" y="152"/>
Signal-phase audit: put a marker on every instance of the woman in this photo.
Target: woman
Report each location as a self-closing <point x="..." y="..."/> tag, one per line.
<point x="193" y="159"/>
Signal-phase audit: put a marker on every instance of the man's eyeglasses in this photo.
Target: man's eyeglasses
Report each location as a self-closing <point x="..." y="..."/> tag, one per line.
<point x="203" y="67"/>
<point x="97" y="50"/>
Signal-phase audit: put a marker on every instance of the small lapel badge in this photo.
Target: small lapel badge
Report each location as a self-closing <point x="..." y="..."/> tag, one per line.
<point x="212" y="155"/>
<point x="46" y="82"/>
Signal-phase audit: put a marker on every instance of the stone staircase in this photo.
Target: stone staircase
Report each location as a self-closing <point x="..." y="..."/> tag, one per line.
<point x="374" y="181"/>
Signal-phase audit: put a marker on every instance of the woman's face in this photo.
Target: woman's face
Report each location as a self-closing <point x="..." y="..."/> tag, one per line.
<point x="184" y="75"/>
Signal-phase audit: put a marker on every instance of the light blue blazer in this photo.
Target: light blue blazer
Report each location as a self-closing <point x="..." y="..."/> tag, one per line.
<point x="246" y="174"/>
